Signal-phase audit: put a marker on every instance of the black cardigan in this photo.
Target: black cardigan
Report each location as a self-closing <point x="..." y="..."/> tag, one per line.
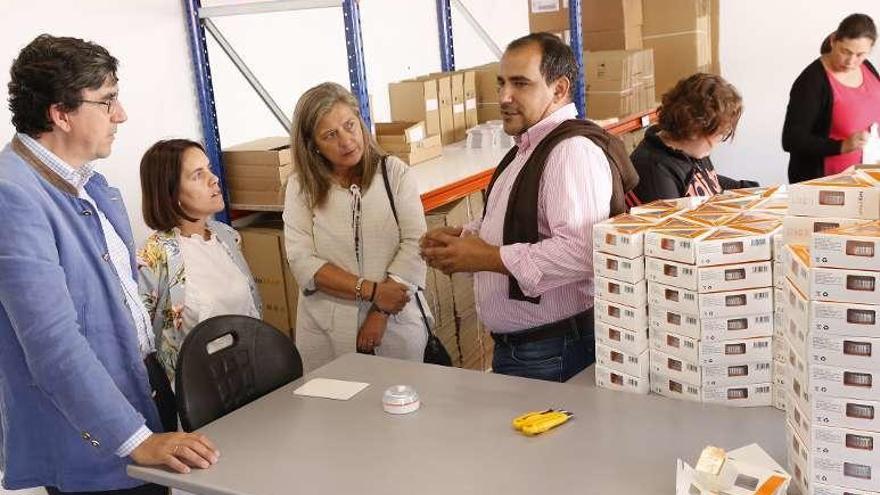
<point x="666" y="173"/>
<point x="808" y="123"/>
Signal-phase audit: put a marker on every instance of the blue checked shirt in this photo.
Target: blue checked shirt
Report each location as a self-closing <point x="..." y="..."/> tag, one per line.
<point x="119" y="256"/>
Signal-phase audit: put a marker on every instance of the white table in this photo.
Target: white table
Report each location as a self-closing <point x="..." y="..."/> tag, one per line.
<point x="461" y="440"/>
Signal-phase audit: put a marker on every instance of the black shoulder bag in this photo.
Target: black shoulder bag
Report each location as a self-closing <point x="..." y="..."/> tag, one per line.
<point x="435" y="353"/>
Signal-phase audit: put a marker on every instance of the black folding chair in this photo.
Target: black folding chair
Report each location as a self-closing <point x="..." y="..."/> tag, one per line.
<point x="227" y="362"/>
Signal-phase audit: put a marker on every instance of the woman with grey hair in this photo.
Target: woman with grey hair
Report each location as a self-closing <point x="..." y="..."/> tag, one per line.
<point x="357" y="265"/>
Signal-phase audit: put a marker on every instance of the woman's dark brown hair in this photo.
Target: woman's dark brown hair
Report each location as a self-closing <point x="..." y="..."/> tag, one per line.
<point x="853" y="27"/>
<point x="160" y="183"/>
<point x="700" y="106"/>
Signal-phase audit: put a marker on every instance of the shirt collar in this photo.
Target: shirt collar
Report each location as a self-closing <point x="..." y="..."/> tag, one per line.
<point x="76" y="177"/>
<point x="534" y="134"/>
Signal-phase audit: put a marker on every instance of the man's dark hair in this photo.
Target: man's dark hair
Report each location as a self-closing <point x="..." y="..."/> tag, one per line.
<point x="161" y="167"/>
<point x="52" y="70"/>
<point x="557" y="59"/>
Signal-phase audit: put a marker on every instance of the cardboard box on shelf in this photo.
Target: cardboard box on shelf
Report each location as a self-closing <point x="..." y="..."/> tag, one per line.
<point x="844" y="352"/>
<point x="271" y="152"/>
<point x="605" y="24"/>
<point x="246" y="199"/>
<point x="832" y="381"/>
<point x="672" y="16"/>
<point x="486" y="82"/>
<point x="847" y="319"/>
<point x="629" y="341"/>
<point x="855" y="247"/>
<point x="414" y="101"/>
<point x="736" y="351"/>
<point x="800" y="230"/>
<point x="846" y="413"/>
<point x="621" y="382"/>
<point x="678" y="346"/>
<point x="609" y="104"/>
<point x="470" y="98"/>
<point x="635" y="295"/>
<point x="257" y="171"/>
<point x="736" y="327"/>
<point x="263" y="248"/>
<point x="459" y="122"/>
<point x="617" y="360"/>
<point x="751" y="395"/>
<point x="669" y="387"/>
<point x="628" y="38"/>
<point x="848" y="196"/>
<point x="743" y="302"/>
<point x="447" y="114"/>
<point x="671" y="273"/>
<point x="674" y="321"/>
<point x="619" y="268"/>
<point x="391" y="134"/>
<point x="677" y="56"/>
<point x="621" y="316"/>
<point x="488" y="111"/>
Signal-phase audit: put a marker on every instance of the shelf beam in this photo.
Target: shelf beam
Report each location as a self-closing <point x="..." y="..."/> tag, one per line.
<point x="265" y="7"/>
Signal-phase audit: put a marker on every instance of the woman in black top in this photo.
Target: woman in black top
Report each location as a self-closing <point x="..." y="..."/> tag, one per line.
<point x="673" y="161"/>
<point x="806" y="134"/>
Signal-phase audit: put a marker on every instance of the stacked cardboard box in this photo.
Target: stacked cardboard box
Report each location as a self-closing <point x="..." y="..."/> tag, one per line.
<point x="707" y="269"/>
<point x="408" y="141"/>
<point x="832" y="301"/>
<point x="605" y="24"/>
<point x="256" y="172"/>
<point x="446" y="101"/>
<point x="681" y="34"/>
<point x="451" y="298"/>
<point x="618" y="82"/>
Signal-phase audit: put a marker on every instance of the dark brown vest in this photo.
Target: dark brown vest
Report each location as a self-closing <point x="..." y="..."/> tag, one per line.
<point x="521" y="218"/>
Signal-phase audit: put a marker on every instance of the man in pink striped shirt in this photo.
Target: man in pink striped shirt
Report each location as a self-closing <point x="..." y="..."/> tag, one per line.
<point x="534" y="289"/>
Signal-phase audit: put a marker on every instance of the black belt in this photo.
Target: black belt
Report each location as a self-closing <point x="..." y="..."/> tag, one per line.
<point x="568" y="326"/>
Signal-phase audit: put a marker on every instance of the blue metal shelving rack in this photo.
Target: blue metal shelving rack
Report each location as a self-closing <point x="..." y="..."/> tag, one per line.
<point x="447" y="52"/>
<point x="199" y="24"/>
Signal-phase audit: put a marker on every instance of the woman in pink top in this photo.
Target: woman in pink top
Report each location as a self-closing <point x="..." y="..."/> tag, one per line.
<point x="833" y="103"/>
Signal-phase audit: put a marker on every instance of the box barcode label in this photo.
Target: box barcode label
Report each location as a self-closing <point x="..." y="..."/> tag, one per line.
<point x="762" y="319"/>
<point x="761" y="296"/>
<point x="758" y="242"/>
<point x="761" y="269"/>
<point x="762" y="366"/>
<point x="760" y="345"/>
<point x="763" y="390"/>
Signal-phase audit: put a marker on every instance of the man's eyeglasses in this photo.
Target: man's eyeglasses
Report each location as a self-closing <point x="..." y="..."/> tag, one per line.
<point x="110" y="104"/>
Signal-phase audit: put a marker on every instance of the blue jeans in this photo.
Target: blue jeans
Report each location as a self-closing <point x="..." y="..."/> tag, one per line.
<point x="554" y="359"/>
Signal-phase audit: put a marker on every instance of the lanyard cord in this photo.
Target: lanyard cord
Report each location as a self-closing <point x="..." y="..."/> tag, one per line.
<point x="356" y="224"/>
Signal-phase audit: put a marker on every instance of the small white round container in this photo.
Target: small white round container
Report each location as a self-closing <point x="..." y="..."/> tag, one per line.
<point x="400" y="399"/>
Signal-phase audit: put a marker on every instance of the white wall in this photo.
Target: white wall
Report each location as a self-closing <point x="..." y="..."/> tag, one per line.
<point x="289" y="52"/>
<point x="763" y="47"/>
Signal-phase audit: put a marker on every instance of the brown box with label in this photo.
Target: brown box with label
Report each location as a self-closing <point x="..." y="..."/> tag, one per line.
<point x="407" y="141"/>
<point x="444" y="98"/>
<point x="471" y="117"/>
<point x="458" y="105"/>
<point x="605" y="24"/>
<point x="414" y="101"/>
<point x="264" y="251"/>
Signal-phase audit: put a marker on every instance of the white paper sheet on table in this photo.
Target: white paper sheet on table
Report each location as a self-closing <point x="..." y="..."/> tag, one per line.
<point x="329" y="388"/>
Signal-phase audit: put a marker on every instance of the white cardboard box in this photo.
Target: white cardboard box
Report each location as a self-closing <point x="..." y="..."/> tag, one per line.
<point x="669" y="387"/>
<point x="800" y="460"/>
<point x="753" y="395"/>
<point x="800" y="230"/>
<point x="796" y="417"/>
<point x="855" y="247"/>
<point x="849" y="286"/>
<point x="736" y="351"/>
<point x="674" y="298"/>
<point x="729" y="244"/>
<point x="841" y="382"/>
<point x="845" y="352"/>
<point x="779" y="270"/>
<point x="848" y="444"/>
<point x="675" y="240"/>
<point x="619" y="268"/>
<point x="743" y="302"/>
<point x="836" y="471"/>
<point x="832" y="318"/>
<point x="797" y="306"/>
<point x="736" y="327"/>
<point x="735" y="277"/>
<point x="614" y="380"/>
<point x="797" y="266"/>
<point x="820" y="489"/>
<point x="628" y="341"/>
<point x="629" y="294"/>
<point x="675" y="345"/>
<point x="630" y="364"/>
<point x="676" y="368"/>
<point x="621" y="316"/>
<point x="848" y="196"/>
<point x="671" y="273"/>
<point x="623" y="235"/>
<point x="674" y="321"/>
<point x="846" y="413"/>
<point x="718" y="375"/>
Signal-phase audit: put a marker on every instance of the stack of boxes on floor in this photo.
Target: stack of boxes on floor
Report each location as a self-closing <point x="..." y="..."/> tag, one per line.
<point x="704" y="272"/>
<point x="451" y="298"/>
<point x="832" y="297"/>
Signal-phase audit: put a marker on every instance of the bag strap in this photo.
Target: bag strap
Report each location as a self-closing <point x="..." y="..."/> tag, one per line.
<point x="397" y="220"/>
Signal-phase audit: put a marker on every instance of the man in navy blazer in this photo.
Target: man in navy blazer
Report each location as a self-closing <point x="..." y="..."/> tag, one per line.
<point x="81" y="395"/>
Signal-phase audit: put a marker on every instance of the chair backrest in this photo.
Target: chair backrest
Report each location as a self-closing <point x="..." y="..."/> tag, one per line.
<point x="228" y="361"/>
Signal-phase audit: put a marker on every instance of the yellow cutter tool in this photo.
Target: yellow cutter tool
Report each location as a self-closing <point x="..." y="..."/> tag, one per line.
<point x="537" y="422"/>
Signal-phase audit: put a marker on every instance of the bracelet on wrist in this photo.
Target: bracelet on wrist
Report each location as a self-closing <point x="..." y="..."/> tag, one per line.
<point x="358" y="288"/>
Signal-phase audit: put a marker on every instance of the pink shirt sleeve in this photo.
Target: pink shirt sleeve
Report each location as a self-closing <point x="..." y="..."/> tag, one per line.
<point x="575" y="193"/>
